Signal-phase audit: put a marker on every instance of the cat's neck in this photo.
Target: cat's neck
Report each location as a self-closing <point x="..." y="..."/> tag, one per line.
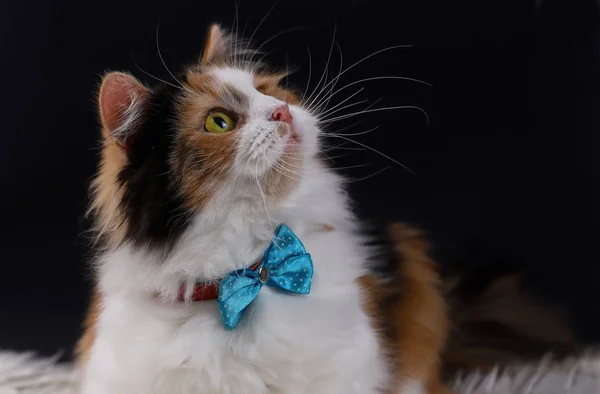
<point x="219" y="242"/>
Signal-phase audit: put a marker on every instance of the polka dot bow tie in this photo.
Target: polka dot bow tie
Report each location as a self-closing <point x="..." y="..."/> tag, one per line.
<point x="285" y="265"/>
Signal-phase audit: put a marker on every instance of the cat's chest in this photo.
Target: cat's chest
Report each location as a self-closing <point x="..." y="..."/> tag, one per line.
<point x="288" y="344"/>
<point x="321" y="342"/>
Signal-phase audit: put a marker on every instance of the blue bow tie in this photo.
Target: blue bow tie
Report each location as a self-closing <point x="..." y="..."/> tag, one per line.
<point x="285" y="265"/>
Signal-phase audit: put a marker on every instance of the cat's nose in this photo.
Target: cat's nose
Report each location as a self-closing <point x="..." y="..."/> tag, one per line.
<point x="282" y="114"/>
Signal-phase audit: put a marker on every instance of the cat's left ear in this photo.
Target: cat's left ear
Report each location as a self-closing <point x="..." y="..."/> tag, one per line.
<point x="217" y="46"/>
<point x="122" y="102"/>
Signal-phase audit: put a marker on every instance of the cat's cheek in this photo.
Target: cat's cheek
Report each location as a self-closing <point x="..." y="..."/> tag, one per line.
<point x="306" y="128"/>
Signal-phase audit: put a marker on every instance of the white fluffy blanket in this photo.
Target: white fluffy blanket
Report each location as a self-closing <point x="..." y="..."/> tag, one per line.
<point x="23" y="373"/>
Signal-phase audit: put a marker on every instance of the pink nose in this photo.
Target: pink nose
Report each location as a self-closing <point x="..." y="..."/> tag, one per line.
<point x="282" y="114"/>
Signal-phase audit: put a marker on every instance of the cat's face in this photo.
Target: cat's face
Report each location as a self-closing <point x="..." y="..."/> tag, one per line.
<point x="223" y="135"/>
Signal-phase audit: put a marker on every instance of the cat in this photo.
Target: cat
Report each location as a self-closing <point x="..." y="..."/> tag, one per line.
<point x="197" y="182"/>
<point x="229" y="260"/>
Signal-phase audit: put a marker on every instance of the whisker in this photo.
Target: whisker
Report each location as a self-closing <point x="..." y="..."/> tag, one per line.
<point x="353" y="166"/>
<point x="344" y="107"/>
<point x="325" y="113"/>
<point x="236" y="37"/>
<point x="392" y="77"/>
<point x="155" y="77"/>
<point x="282" y="165"/>
<point x="260" y="24"/>
<point x="280" y="34"/>
<point x="279" y="169"/>
<point x="353" y="134"/>
<point x="323" y="75"/>
<point x="366" y="58"/>
<point x="309" y="74"/>
<point x="347" y="148"/>
<point x="325" y="120"/>
<point x="163" y="60"/>
<point x="335" y="119"/>
<point x="376" y="151"/>
<point x="325" y="104"/>
<point x="368" y="176"/>
<point x="262" y="194"/>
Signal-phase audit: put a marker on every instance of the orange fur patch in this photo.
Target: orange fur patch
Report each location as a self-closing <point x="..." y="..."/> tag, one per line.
<point x="202" y="159"/>
<point x="84" y="345"/>
<point x="106" y="193"/>
<point x="216" y="46"/>
<point x="421" y="312"/>
<point x="270" y="84"/>
<point x="417" y="315"/>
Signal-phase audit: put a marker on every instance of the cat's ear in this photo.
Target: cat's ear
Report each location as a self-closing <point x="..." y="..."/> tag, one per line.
<point x="217" y="46"/>
<point x="122" y="102"/>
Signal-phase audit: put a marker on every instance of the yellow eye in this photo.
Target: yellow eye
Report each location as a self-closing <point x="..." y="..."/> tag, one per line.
<point x="218" y="122"/>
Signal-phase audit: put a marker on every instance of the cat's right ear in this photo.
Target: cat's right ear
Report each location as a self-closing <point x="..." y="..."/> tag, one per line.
<point x="122" y="102"/>
<point x="217" y="47"/>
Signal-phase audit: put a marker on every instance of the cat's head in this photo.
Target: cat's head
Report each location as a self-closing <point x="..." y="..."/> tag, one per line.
<point x="224" y="135"/>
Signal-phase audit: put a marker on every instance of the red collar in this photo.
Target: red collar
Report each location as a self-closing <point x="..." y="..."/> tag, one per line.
<point x="206" y="291"/>
<point x="210" y="291"/>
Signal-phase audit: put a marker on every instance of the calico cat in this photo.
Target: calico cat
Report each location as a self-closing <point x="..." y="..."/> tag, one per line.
<point x="229" y="260"/>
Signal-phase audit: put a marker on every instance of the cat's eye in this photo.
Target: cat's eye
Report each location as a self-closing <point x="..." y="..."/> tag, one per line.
<point x="218" y="122"/>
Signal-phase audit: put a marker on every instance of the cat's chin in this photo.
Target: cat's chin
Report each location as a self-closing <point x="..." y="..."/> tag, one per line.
<point x="293" y="140"/>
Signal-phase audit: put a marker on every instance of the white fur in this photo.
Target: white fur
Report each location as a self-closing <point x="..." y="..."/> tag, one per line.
<point x="321" y="343"/>
<point x="411" y="387"/>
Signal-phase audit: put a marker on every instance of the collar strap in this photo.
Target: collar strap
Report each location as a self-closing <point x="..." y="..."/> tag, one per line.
<point x="210" y="291"/>
<point x="206" y="291"/>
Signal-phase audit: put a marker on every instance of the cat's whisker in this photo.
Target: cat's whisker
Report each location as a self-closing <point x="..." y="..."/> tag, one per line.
<point x="163" y="60"/>
<point x="324" y="74"/>
<point x="353" y="166"/>
<point x="362" y="60"/>
<point x="347" y="148"/>
<point x="303" y="168"/>
<point x="325" y="104"/>
<point x="351" y="126"/>
<point x="309" y="75"/>
<point x="353" y="134"/>
<point x="324" y="113"/>
<point x="257" y="64"/>
<point x="234" y="36"/>
<point x="340" y="156"/>
<point x="283" y="166"/>
<point x="260" y="24"/>
<point x="317" y="150"/>
<point x="389" y="77"/>
<point x="347" y="181"/>
<point x="335" y="119"/>
<point x="325" y="120"/>
<point x="279" y="168"/>
<point x="375" y="151"/>
<point x="282" y="159"/>
<point x="274" y="36"/>
<point x="262" y="195"/>
<point x="157" y="78"/>
<point x="330" y="112"/>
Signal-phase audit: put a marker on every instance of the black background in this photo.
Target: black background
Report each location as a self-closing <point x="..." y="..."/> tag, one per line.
<point x="506" y="170"/>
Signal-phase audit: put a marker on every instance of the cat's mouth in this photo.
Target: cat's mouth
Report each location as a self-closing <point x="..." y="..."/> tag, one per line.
<point x="293" y="139"/>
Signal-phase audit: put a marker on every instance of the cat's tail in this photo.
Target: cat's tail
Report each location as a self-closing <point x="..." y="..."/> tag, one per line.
<point x="494" y="318"/>
<point x="498" y="320"/>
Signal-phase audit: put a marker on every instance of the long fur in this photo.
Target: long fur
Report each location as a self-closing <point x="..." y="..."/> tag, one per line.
<point x="176" y="205"/>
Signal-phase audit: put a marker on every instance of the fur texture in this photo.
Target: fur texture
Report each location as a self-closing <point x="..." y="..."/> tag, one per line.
<point x="176" y="204"/>
<point x="23" y="373"/>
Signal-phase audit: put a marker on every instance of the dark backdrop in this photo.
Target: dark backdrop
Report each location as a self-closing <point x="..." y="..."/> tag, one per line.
<point x="506" y="169"/>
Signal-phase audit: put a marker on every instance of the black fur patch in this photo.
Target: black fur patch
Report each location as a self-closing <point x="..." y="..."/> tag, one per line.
<point x="384" y="261"/>
<point x="154" y="211"/>
<point x="384" y="265"/>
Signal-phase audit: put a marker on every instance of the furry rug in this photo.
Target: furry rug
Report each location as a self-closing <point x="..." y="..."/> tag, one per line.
<point x="23" y="373"/>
